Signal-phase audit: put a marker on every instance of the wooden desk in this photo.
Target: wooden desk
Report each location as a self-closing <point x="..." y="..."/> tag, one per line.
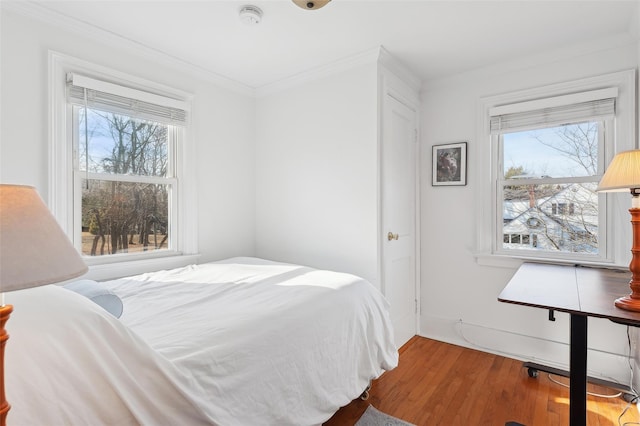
<point x="582" y="292"/>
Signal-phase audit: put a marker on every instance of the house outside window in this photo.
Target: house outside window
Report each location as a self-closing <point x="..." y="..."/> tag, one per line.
<point x="545" y="152"/>
<point x="119" y="182"/>
<point x="547" y="167"/>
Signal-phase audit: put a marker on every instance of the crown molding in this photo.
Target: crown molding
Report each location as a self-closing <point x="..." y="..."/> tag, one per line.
<point x="396" y="67"/>
<point x="377" y="55"/>
<point x="367" y="57"/>
<point x="559" y="54"/>
<point x="39" y="11"/>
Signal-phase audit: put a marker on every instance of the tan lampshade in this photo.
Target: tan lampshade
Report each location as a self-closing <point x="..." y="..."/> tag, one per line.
<point x="623" y="172"/>
<point x="34" y="250"/>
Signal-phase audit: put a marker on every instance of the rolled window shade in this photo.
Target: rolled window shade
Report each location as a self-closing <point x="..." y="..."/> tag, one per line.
<point x="560" y="110"/>
<point x="118" y="99"/>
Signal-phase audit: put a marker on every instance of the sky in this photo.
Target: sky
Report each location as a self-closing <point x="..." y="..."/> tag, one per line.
<point x="538" y="159"/>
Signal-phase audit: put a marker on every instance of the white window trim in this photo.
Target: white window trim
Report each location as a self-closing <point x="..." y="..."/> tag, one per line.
<point x="619" y="240"/>
<point x="61" y="171"/>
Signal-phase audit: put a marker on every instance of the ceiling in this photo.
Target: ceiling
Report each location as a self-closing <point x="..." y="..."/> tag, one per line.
<point x="432" y="38"/>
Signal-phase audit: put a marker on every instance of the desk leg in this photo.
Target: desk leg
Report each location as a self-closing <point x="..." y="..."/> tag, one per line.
<point x="578" y="371"/>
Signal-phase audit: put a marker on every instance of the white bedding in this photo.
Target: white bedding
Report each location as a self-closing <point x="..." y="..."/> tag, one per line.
<point x="239" y="342"/>
<point x="70" y="362"/>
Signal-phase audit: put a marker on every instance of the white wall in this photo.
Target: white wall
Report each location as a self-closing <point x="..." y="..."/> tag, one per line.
<point x="222" y="124"/>
<point x="316" y="173"/>
<point x="459" y="297"/>
<point x="306" y="160"/>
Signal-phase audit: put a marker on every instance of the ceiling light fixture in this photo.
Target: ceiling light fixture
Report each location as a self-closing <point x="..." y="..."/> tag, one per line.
<point x="311" y="4"/>
<point x="250" y="15"/>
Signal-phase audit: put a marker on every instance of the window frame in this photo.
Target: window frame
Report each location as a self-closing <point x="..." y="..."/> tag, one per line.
<point x="616" y="216"/>
<point x="175" y="136"/>
<point x="605" y="133"/>
<point x="62" y="173"/>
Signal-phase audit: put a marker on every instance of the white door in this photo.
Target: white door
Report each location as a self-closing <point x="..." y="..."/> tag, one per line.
<point x="399" y="142"/>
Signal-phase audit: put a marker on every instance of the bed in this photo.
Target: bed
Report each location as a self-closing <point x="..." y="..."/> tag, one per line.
<point x="243" y="341"/>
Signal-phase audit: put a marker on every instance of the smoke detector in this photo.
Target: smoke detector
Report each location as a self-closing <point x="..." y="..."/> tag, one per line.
<point x="250" y="15"/>
<point x="311" y="4"/>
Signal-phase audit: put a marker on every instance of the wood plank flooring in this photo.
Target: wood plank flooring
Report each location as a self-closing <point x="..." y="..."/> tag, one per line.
<point x="441" y="384"/>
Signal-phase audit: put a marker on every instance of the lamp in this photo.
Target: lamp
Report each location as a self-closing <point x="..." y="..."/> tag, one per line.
<point x="34" y="251"/>
<point x="623" y="174"/>
<point x="311" y="4"/>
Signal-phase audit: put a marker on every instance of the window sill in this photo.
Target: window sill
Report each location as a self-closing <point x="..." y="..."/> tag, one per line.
<point x="109" y="271"/>
<point x="514" y="262"/>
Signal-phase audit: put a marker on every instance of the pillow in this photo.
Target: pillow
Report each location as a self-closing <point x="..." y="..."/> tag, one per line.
<point x="99" y="294"/>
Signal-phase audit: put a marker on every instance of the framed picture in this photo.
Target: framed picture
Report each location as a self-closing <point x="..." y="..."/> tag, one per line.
<point x="450" y="164"/>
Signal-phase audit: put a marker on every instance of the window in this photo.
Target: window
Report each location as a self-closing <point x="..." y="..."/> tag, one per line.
<point x="118" y="151"/>
<point x="546" y="150"/>
<point x="123" y="167"/>
<point x="545" y="171"/>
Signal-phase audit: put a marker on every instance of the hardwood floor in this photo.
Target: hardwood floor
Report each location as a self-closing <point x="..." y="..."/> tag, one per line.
<point x="437" y="383"/>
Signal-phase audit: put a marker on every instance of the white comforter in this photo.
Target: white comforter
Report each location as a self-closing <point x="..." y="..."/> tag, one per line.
<point x="69" y="362"/>
<point x="267" y="343"/>
<point x="239" y="342"/>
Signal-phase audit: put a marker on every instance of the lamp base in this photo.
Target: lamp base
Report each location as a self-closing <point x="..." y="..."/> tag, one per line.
<point x="5" y="311"/>
<point x="631" y="302"/>
<point x="628" y="303"/>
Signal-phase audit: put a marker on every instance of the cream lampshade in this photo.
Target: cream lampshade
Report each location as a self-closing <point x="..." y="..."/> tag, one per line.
<point x="623" y="174"/>
<point x="34" y="251"/>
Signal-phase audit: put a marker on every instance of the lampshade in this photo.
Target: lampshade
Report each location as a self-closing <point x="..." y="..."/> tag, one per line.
<point x="34" y="250"/>
<point x="623" y="173"/>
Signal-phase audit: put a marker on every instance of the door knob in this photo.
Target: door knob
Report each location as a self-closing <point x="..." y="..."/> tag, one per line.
<point x="392" y="236"/>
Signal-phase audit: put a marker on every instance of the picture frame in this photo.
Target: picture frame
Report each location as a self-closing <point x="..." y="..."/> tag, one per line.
<point x="449" y="164"/>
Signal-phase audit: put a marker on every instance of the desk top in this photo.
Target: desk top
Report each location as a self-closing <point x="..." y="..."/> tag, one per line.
<point x="573" y="289"/>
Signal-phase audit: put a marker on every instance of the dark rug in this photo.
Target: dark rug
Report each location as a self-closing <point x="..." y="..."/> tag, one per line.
<point x="373" y="417"/>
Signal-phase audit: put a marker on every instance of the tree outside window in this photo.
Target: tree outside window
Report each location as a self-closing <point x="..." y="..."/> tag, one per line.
<point x="548" y="187"/>
<point x="125" y="178"/>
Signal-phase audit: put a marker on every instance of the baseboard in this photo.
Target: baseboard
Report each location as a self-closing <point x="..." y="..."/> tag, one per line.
<point x="555" y="354"/>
